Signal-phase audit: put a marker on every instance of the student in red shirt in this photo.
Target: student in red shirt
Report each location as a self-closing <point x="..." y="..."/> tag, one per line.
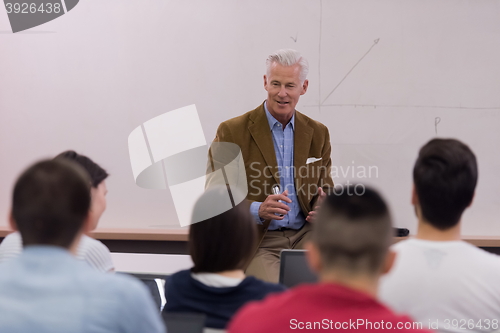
<point x="349" y="250"/>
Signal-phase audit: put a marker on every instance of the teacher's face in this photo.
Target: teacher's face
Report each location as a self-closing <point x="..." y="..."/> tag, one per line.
<point x="283" y="88"/>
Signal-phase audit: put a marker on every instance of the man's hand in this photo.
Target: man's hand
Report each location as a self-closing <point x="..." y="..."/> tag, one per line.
<point x="271" y="206"/>
<point x="312" y="214"/>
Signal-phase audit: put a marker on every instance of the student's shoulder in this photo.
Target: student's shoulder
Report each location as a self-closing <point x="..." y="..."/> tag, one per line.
<point x="405" y="323"/>
<point x="12" y="240"/>
<point x="91" y="245"/>
<point x="89" y="241"/>
<point x="135" y="290"/>
<point x="401" y="244"/>
<point x="265" y="286"/>
<point x="13" y="237"/>
<point x="133" y="301"/>
<point x="409" y="244"/>
<point x="11" y="246"/>
<point x="273" y="301"/>
<point x="180" y="277"/>
<point x="119" y="284"/>
<point x="7" y="269"/>
<point x="481" y="257"/>
<point x="245" y="318"/>
<point x="95" y="253"/>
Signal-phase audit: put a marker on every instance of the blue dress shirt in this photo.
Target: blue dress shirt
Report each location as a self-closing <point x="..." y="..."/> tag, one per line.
<point x="47" y="290"/>
<point x="283" y="147"/>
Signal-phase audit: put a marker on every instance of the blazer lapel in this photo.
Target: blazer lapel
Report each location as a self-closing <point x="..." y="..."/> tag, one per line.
<point x="261" y="133"/>
<point x="302" y="144"/>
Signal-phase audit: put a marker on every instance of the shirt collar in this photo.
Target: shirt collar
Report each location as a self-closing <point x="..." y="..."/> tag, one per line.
<point x="272" y="121"/>
<point x="46" y="250"/>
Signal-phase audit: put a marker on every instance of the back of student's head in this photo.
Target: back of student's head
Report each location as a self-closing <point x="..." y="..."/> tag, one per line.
<point x="96" y="173"/>
<point x="353" y="231"/>
<point x="50" y="202"/>
<point x="445" y="177"/>
<point x="223" y="242"/>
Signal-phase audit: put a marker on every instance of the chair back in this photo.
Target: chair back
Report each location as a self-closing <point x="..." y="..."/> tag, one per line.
<point x="184" y="322"/>
<point x="294" y="268"/>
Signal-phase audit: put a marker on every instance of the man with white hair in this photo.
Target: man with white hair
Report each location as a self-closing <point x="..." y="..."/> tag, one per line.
<point x="286" y="152"/>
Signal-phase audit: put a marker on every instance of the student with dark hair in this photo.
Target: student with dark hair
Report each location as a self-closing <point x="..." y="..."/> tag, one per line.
<point x="349" y="251"/>
<point x="96" y="173"/>
<point x="90" y="250"/>
<point x="220" y="247"/>
<point x="46" y="289"/>
<point x="438" y="278"/>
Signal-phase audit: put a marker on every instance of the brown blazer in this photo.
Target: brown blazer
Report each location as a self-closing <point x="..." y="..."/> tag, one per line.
<point x="252" y="134"/>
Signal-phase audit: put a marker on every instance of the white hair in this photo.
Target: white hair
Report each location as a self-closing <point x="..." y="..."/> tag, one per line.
<point x="288" y="57"/>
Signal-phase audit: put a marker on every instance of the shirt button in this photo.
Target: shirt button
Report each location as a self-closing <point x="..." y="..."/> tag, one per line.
<point x="279" y="125"/>
<point x="281" y="146"/>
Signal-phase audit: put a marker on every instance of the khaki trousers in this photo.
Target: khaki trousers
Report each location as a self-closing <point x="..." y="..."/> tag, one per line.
<point x="266" y="263"/>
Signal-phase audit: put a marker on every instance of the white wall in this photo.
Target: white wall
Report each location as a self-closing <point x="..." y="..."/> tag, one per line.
<point x="86" y="80"/>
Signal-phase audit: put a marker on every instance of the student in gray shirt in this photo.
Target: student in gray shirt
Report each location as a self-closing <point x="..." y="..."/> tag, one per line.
<point x="90" y="250"/>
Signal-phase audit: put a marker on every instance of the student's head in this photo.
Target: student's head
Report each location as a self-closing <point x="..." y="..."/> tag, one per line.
<point x="352" y="234"/>
<point x="98" y="190"/>
<point x="444" y="176"/>
<point x="50" y="203"/>
<point x="224" y="242"/>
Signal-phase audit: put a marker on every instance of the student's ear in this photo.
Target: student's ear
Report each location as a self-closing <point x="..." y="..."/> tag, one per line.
<point x="389" y="261"/>
<point x="414" y="197"/>
<point x="12" y="222"/>
<point x="313" y="257"/>
<point x="415" y="202"/>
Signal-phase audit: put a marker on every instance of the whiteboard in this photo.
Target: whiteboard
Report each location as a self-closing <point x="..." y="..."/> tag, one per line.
<point x="385" y="77"/>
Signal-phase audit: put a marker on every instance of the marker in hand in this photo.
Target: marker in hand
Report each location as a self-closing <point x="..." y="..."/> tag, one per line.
<point x="275" y="207"/>
<point x="276" y="190"/>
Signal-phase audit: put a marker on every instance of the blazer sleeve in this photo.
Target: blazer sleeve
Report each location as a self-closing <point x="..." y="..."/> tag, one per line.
<point x="226" y="154"/>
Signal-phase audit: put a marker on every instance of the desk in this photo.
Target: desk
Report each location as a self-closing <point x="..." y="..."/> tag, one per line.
<point x="174" y="241"/>
<point x="160" y="241"/>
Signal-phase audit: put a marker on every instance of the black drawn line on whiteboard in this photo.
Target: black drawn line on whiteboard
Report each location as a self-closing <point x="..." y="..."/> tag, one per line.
<point x="375" y="42"/>
<point x="437" y="120"/>
<point x="319" y="52"/>
<point x="295" y="39"/>
<point x="412" y="106"/>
